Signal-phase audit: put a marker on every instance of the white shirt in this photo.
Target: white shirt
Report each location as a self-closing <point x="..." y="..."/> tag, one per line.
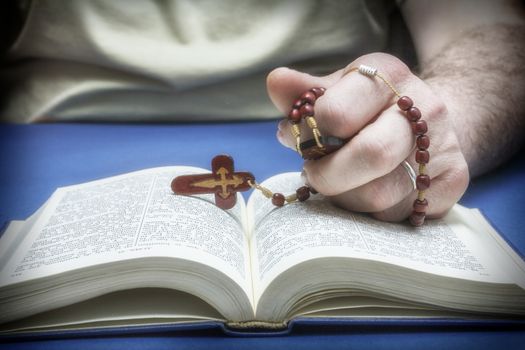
<point x="151" y="60"/>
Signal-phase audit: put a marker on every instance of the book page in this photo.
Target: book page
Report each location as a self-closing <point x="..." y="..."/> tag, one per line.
<point x="130" y="216"/>
<point x="14" y="234"/>
<point x="122" y="308"/>
<point x="298" y="232"/>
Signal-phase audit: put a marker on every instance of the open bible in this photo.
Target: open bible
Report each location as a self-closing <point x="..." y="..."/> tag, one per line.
<point x="127" y="251"/>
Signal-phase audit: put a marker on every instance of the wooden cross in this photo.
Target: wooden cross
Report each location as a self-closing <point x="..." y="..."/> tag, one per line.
<point x="222" y="181"/>
<point x="310" y="150"/>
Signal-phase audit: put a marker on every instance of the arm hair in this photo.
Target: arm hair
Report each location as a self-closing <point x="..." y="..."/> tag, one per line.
<point x="481" y="78"/>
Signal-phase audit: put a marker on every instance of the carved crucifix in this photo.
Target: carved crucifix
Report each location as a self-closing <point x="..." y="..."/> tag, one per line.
<point x="223" y="181"/>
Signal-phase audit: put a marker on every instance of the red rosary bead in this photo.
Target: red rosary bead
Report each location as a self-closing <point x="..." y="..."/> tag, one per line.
<point x="303" y="193"/>
<point x="278" y="199"/>
<point x="420" y="206"/>
<point x="294" y="115"/>
<point x="422" y="156"/>
<point x="423" y="142"/>
<point x="297" y="104"/>
<point x="308" y="97"/>
<point x="307" y="110"/>
<point x="419" y="127"/>
<point x="414" y="114"/>
<point x="318" y="91"/>
<point x="422" y="182"/>
<point x="405" y="103"/>
<point x="417" y="219"/>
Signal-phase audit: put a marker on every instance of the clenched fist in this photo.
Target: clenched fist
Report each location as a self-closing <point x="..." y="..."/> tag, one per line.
<point x="366" y="175"/>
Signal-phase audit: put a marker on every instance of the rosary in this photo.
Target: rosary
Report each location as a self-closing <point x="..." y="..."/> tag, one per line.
<point x="224" y="182"/>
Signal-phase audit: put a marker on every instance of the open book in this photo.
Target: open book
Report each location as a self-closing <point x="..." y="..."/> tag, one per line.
<point x="127" y="251"/>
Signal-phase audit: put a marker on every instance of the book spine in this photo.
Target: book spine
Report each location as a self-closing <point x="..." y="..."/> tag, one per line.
<point x="247" y="326"/>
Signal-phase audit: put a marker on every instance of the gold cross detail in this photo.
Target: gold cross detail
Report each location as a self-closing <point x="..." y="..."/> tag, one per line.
<point x="223" y="182"/>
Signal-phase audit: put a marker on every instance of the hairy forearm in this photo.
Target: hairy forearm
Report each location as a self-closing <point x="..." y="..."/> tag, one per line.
<point x="481" y="78"/>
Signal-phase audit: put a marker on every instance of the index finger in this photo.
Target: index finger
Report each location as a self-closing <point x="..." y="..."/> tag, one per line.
<point x="357" y="99"/>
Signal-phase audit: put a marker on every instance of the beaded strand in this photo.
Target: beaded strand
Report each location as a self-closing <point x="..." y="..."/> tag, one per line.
<point x="279" y="199"/>
<point x="419" y="128"/>
<point x="303" y="108"/>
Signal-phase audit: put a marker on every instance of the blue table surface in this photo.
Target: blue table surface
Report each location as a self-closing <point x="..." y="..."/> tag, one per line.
<point x="36" y="159"/>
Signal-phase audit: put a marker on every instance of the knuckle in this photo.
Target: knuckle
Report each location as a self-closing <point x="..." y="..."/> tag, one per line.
<point x="458" y="178"/>
<point x="319" y="181"/>
<point x="376" y="154"/>
<point x="396" y="69"/>
<point x="378" y="197"/>
<point x="333" y="115"/>
<point x="436" y="109"/>
<point x="452" y="185"/>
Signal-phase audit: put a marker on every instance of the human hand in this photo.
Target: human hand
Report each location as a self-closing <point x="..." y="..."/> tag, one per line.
<point x="365" y="175"/>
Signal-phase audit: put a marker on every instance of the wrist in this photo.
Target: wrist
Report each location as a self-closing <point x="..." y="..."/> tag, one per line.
<point x="482" y="82"/>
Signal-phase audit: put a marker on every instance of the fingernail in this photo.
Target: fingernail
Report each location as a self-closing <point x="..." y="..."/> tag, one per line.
<point x="281" y="125"/>
<point x="280" y="136"/>
<point x="284" y="140"/>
